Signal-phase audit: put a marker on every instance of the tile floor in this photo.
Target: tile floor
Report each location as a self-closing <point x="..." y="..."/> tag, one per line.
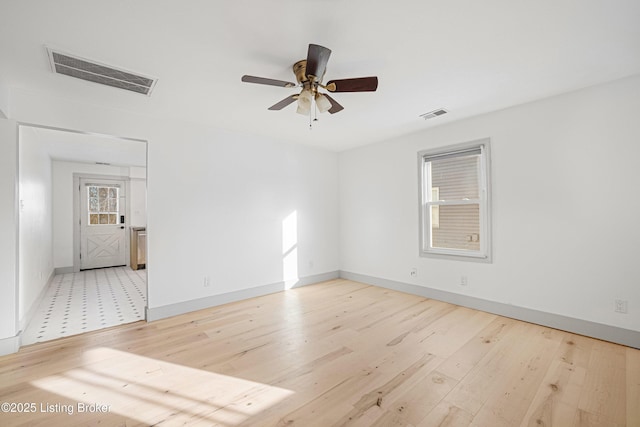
<point x="86" y="301"/>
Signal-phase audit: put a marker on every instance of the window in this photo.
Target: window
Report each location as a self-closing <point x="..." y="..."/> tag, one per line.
<point x="103" y="204"/>
<point x="454" y="202"/>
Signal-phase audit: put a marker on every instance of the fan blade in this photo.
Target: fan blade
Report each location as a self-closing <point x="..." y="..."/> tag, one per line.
<point x="317" y="58"/>
<point x="280" y="105"/>
<point x="360" y="84"/>
<point x="335" y="107"/>
<point x="263" y="81"/>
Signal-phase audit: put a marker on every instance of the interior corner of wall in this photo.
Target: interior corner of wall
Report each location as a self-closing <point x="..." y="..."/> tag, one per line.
<point x="4" y="101"/>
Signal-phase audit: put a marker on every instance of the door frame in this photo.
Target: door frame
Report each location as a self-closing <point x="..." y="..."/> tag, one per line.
<point x="77" y="208"/>
<point x="19" y="320"/>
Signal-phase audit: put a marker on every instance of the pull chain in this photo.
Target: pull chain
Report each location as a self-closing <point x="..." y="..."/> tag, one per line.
<point x="315" y="115"/>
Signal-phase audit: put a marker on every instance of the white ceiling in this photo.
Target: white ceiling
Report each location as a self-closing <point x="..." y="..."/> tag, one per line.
<point x="88" y="148"/>
<point x="468" y="57"/>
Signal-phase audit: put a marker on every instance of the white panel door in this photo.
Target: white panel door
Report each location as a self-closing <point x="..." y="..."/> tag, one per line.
<point x="102" y="225"/>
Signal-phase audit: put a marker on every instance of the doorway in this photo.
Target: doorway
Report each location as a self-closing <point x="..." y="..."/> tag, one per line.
<point x="48" y="161"/>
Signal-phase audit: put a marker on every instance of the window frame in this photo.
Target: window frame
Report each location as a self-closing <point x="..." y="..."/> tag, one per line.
<point x="484" y="202"/>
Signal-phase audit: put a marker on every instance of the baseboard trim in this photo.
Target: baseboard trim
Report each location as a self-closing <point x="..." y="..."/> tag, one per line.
<point x="627" y="337"/>
<point x="162" y="312"/>
<point x="9" y="345"/>
<point x="24" y="322"/>
<point x="63" y="270"/>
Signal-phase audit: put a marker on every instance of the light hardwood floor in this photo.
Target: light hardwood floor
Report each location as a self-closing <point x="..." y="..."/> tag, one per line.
<point x="332" y="354"/>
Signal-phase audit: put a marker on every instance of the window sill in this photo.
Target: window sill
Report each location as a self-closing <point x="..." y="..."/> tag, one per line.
<point x="457" y="255"/>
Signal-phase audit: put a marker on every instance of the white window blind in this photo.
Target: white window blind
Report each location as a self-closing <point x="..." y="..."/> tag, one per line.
<point x="454" y="208"/>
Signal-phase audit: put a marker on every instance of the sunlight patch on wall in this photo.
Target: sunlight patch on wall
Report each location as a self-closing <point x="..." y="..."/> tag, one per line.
<point x="290" y="250"/>
<point x="151" y="391"/>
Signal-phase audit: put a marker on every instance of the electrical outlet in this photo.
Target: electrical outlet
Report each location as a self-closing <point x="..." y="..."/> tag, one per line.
<point x="414" y="272"/>
<point x="207" y="281"/>
<point x="463" y="281"/>
<point x="621" y="306"/>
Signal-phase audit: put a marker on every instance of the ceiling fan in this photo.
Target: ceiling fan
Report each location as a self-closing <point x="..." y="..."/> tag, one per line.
<point x="309" y="74"/>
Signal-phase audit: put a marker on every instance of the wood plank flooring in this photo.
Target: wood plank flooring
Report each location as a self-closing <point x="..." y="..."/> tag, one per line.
<point x="339" y="353"/>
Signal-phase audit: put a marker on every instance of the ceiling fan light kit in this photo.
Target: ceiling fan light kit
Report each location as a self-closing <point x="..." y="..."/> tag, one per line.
<point x="309" y="74"/>
<point x="305" y="99"/>
<point x="323" y="103"/>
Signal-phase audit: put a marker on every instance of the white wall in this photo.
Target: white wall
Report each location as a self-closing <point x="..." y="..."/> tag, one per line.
<point x="138" y="195"/>
<point x="4" y="101"/>
<point x="8" y="236"/>
<point x="216" y="200"/>
<point x="36" y="232"/>
<point x="565" y="206"/>
<point x="216" y="206"/>
<point x="63" y="204"/>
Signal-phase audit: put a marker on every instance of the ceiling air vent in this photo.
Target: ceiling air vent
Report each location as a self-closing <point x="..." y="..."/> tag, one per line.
<point x="92" y="71"/>
<point x="434" y="113"/>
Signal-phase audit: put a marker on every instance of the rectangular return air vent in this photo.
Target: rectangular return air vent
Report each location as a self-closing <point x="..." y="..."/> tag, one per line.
<point x="434" y="113"/>
<point x="84" y="69"/>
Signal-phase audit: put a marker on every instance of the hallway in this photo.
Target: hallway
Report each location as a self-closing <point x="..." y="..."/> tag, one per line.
<point x="86" y="301"/>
